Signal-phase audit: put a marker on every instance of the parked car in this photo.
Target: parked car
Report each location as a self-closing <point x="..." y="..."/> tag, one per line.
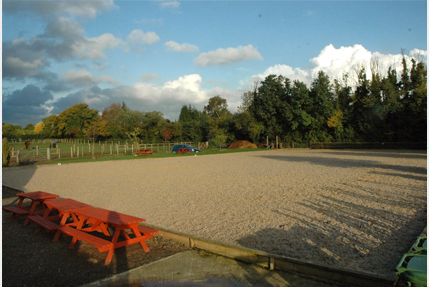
<point x="176" y="148"/>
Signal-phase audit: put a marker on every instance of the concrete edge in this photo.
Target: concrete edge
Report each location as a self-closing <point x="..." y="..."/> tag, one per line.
<point x="315" y="271"/>
<point x="312" y="270"/>
<point x="123" y="274"/>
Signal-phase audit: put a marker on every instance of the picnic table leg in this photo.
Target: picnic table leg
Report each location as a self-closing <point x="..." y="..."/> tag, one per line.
<point x="142" y="243"/>
<point x="45" y="215"/>
<point x="112" y="250"/>
<point x="62" y="223"/>
<point x="109" y="256"/>
<point x="73" y="242"/>
<point x="32" y="208"/>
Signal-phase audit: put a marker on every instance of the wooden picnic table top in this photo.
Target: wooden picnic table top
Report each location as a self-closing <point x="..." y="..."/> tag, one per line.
<point x="66" y="204"/>
<point x="37" y="195"/>
<point x="111" y="217"/>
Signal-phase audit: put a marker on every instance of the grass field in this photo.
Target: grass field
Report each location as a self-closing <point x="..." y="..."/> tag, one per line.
<point x="37" y="153"/>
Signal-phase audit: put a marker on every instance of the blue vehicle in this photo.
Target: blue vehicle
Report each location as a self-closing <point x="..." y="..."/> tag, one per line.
<point x="176" y="148"/>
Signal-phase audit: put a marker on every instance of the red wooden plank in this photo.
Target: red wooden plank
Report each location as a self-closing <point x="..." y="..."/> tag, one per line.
<point x="37" y="195"/>
<point x="65" y="205"/>
<point x="112" y="217"/>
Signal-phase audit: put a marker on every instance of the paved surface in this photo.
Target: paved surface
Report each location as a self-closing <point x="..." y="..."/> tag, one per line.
<point x="199" y="268"/>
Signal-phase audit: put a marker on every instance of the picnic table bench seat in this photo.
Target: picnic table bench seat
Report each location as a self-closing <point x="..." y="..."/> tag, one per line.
<point x="147" y="230"/>
<point x="145" y="152"/>
<point x="16" y="210"/>
<point x="101" y="244"/>
<point x="43" y="222"/>
<point x="184" y="150"/>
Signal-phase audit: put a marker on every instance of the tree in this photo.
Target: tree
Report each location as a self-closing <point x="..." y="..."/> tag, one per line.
<point x="218" y="120"/>
<point x="192" y="124"/>
<point x="72" y="121"/>
<point x="127" y="120"/>
<point x="247" y="101"/>
<point x="110" y="112"/>
<point x="38" y="128"/>
<point x="50" y="126"/>
<point x="5" y="152"/>
<point x="322" y="107"/>
<point x="11" y="131"/>
<point x="153" y="123"/>
<point x="271" y="106"/>
<point x="216" y="107"/>
<point x="167" y="134"/>
<point x="246" y="127"/>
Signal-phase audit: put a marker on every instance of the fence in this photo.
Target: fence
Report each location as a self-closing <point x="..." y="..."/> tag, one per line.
<point x="96" y="150"/>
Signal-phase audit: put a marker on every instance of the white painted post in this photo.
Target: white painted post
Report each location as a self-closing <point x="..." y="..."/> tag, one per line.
<point x="17" y="154"/>
<point x="59" y="153"/>
<point x="71" y="151"/>
<point x="82" y="150"/>
<point x="77" y="152"/>
<point x="48" y="153"/>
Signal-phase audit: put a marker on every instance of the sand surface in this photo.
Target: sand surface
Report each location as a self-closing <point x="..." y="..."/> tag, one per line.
<point x="359" y="210"/>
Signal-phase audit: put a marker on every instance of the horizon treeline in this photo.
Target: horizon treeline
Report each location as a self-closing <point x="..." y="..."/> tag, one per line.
<point x="392" y="108"/>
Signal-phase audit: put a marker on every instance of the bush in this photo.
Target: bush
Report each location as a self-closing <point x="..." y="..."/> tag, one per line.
<point x="5" y="153"/>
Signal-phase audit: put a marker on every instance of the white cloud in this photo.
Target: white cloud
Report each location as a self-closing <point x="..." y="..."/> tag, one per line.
<point x="419" y="55"/>
<point x="149" y="77"/>
<point x="186" y="88"/>
<point x="85" y="78"/>
<point x="338" y="62"/>
<point x="169" y="4"/>
<point x="138" y="37"/>
<point x="93" y="48"/>
<point x="17" y="66"/>
<point x="284" y="70"/>
<point x="227" y="56"/>
<point x="176" y="47"/>
<point x="168" y="98"/>
<point x="87" y="9"/>
<point x="335" y="62"/>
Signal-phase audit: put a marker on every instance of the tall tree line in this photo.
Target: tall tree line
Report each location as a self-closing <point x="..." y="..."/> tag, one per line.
<point x="391" y="108"/>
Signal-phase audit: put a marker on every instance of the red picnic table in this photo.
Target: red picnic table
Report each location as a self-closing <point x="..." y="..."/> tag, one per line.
<point x="99" y="219"/>
<point x="184" y="150"/>
<point x="145" y="152"/>
<point x="65" y="208"/>
<point x="39" y="199"/>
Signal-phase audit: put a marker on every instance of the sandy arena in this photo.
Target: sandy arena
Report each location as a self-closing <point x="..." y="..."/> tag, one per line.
<point x="359" y="210"/>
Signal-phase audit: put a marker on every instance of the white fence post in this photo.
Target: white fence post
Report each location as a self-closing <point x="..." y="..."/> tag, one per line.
<point x="48" y="153"/>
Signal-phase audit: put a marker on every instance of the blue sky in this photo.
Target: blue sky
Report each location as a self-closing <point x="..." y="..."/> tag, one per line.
<point x="161" y="55"/>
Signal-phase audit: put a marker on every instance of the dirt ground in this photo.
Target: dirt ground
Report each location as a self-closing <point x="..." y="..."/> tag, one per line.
<point x="31" y="259"/>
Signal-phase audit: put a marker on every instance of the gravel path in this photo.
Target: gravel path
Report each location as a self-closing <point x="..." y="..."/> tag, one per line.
<point x="359" y="210"/>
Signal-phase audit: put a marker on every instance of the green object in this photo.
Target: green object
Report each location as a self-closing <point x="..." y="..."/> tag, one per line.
<point x="413" y="269"/>
<point x="5" y="152"/>
<point x="420" y="246"/>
